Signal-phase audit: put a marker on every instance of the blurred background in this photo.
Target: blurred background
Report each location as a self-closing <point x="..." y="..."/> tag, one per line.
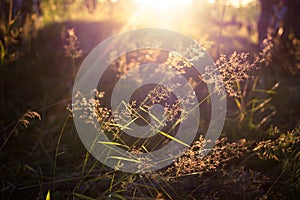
<point x="43" y="43"/>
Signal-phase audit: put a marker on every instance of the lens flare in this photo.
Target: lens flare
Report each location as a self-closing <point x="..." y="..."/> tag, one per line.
<point x="163" y="2"/>
<point x="235" y="3"/>
<point x="160" y="13"/>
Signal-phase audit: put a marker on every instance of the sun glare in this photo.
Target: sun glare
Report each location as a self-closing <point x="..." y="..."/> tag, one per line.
<point x="163" y="3"/>
<point x="235" y="3"/>
<point x="159" y="12"/>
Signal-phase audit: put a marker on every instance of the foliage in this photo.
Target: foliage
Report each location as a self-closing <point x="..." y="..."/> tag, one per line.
<point x="48" y="157"/>
<point x="285" y="149"/>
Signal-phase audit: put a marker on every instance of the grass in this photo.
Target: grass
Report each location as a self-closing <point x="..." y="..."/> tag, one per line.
<point x="47" y="160"/>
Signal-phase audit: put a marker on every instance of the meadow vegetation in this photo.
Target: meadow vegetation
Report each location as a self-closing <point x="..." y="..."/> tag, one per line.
<point x="42" y="157"/>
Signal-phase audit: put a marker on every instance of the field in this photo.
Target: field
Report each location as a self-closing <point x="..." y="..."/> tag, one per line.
<point x="256" y="155"/>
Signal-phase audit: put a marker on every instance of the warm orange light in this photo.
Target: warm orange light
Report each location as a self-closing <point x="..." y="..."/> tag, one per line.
<point x="163" y="3"/>
<point x="159" y="13"/>
<point x="235" y="3"/>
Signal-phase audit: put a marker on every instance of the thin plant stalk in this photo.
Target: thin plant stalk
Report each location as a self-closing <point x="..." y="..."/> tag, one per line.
<point x="221" y="26"/>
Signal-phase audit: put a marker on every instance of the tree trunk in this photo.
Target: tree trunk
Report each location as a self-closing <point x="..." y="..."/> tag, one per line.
<point x="280" y="18"/>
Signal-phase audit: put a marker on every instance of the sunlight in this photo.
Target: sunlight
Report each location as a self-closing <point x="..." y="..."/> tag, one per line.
<point x="158" y="13"/>
<point x="235" y="3"/>
<point x="163" y="3"/>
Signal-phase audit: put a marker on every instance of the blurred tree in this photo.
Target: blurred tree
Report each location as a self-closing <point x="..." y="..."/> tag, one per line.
<point x="91" y="5"/>
<point x="292" y="20"/>
<point x="279" y="18"/>
<point x="265" y="18"/>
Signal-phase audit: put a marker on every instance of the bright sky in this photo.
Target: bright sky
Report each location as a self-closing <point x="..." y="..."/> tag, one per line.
<point x="162" y="13"/>
<point x="162" y="3"/>
<point x="236" y="3"/>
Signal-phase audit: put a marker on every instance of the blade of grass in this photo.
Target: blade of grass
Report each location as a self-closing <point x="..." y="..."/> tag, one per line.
<point x="48" y="195"/>
<point x="113" y="143"/>
<point x="173" y="138"/>
<point x="83" y="197"/>
<point x="115" y="195"/>
<point x="125" y="159"/>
